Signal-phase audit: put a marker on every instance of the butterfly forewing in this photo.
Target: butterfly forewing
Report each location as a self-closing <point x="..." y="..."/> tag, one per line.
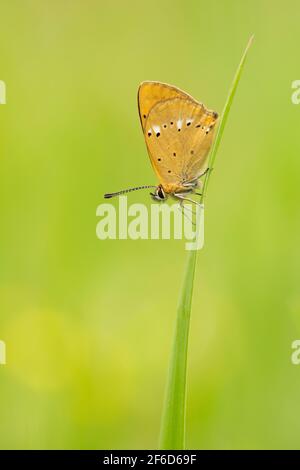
<point x="151" y="93"/>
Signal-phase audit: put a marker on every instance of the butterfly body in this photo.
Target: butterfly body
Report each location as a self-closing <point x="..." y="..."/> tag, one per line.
<point x="172" y="188"/>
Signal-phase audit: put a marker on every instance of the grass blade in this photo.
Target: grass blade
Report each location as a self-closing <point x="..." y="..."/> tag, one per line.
<point x="172" y="435"/>
<point x="173" y="419"/>
<point x="224" y="117"/>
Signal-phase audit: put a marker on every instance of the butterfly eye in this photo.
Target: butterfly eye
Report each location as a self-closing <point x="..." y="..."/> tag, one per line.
<point x="160" y="193"/>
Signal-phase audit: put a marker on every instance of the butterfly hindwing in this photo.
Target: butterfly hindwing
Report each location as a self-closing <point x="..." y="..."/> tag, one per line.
<point x="178" y="133"/>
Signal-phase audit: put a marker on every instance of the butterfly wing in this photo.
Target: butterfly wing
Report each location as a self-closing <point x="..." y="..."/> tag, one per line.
<point x="178" y="133"/>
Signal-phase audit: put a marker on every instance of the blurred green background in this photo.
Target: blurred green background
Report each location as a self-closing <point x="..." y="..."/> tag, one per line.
<point x="88" y="323"/>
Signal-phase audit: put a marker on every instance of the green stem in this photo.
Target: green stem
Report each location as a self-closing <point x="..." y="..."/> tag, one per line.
<point x="173" y="420"/>
<point x="172" y="434"/>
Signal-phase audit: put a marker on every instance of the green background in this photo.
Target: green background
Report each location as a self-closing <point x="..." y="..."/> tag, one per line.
<point x="88" y="323"/>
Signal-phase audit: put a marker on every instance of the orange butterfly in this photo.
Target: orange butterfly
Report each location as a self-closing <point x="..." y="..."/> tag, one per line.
<point x="178" y="131"/>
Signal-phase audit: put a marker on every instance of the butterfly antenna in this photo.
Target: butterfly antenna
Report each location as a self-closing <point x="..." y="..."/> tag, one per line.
<point x="124" y="191"/>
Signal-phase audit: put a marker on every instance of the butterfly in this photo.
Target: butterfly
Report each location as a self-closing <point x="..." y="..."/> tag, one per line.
<point x="178" y="132"/>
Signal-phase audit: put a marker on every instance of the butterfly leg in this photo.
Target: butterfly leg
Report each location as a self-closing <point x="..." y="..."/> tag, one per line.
<point x="191" y="184"/>
<point x="183" y="198"/>
<point x="192" y="187"/>
<point x="205" y="171"/>
<point x="195" y="183"/>
<point x="183" y="208"/>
